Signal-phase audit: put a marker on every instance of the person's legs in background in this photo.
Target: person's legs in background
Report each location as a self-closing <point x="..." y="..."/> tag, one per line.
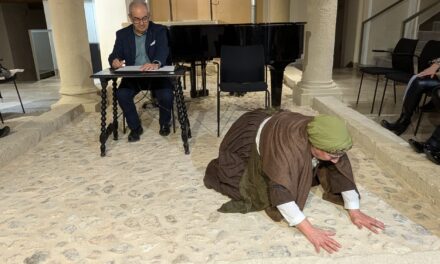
<point x="432" y="146"/>
<point x="163" y="91"/>
<point x="413" y="96"/>
<point x="125" y="94"/>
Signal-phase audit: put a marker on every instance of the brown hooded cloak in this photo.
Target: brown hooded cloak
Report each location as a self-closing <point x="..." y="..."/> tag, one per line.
<point x="282" y="172"/>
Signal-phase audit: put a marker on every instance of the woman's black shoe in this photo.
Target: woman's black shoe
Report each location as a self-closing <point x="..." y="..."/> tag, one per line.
<point x="417" y="146"/>
<point x="433" y="154"/>
<point x="399" y="126"/>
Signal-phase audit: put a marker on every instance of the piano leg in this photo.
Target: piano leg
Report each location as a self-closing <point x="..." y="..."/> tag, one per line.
<point x="193" y="77"/>
<point x="276" y="84"/>
<point x="193" y="80"/>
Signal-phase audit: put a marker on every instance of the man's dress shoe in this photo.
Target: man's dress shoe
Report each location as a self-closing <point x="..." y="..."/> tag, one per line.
<point x="164" y="130"/>
<point x="417" y="146"/>
<point x="135" y="134"/>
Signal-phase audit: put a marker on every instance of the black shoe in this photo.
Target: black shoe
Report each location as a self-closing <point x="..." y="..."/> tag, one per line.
<point x="417" y="146"/>
<point x="4" y="131"/>
<point x="433" y="154"/>
<point x="135" y="134"/>
<point x="164" y="130"/>
<point x="399" y="126"/>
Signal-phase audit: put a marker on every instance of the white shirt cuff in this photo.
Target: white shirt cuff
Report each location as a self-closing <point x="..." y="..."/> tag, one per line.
<point x="291" y="213"/>
<point x="351" y="199"/>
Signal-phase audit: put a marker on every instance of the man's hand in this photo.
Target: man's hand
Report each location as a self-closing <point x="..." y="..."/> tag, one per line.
<point x="319" y="238"/>
<point x="149" y="67"/>
<point x="360" y="220"/>
<point x="429" y="71"/>
<point x="116" y="63"/>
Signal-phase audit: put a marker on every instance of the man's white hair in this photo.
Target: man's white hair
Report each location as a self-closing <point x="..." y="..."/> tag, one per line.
<point x="137" y="3"/>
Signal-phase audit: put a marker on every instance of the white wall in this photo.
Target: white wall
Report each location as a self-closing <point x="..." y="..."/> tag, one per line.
<point x="109" y="16"/>
<point x="384" y="31"/>
<point x="297" y="11"/>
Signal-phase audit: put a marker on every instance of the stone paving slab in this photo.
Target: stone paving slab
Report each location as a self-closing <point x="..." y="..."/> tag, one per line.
<point x="146" y="203"/>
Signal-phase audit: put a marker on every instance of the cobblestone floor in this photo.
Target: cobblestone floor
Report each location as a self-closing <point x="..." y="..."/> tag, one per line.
<point x="145" y="202"/>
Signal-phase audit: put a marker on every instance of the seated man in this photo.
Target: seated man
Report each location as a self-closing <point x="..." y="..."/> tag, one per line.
<point x="4" y="131"/>
<point x="270" y="162"/>
<point x="432" y="146"/>
<point x="425" y="82"/>
<point x="143" y="43"/>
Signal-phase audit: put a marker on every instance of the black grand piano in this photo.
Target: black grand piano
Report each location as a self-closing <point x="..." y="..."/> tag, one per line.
<point x="197" y="44"/>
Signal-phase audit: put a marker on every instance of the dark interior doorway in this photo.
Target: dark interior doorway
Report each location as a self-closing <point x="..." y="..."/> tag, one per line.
<point x="337" y="59"/>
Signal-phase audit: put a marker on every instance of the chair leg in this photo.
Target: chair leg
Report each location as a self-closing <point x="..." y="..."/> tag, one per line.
<point x="265" y="99"/>
<point x="174" y="119"/>
<point x="218" y="113"/>
<point x="268" y="98"/>
<point x="1" y="118"/>
<point x="360" y="86"/>
<point x="374" y="96"/>
<point x="420" y="116"/>
<point x="395" y="98"/>
<point x="383" y="96"/>
<point x="418" y="123"/>
<point x="19" y="97"/>
<point x="124" y="128"/>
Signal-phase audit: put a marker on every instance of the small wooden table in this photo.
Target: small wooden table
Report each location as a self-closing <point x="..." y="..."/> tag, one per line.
<point x="106" y="75"/>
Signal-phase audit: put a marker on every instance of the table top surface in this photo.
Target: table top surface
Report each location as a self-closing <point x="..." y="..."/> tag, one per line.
<point x="109" y="73"/>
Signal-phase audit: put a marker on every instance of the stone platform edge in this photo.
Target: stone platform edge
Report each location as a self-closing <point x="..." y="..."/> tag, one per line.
<point x="425" y="257"/>
<point x="26" y="135"/>
<point x="391" y="152"/>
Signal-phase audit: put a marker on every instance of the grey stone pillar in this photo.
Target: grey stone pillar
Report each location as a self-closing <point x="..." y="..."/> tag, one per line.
<point x="73" y="53"/>
<point x="318" y="58"/>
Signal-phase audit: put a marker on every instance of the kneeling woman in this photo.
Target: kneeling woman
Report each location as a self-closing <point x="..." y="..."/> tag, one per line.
<point x="270" y="161"/>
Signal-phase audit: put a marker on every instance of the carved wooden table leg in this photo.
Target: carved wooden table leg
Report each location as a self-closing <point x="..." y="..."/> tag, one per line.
<point x="103" y="136"/>
<point x="182" y="114"/>
<point x="115" y="111"/>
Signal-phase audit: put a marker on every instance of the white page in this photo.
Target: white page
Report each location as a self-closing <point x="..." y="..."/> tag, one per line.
<point x="167" y="68"/>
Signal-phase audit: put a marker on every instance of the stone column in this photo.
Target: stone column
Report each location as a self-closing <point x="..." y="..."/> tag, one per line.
<point x="318" y="58"/>
<point x="73" y="54"/>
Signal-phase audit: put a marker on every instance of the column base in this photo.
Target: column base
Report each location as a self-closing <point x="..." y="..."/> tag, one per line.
<point x="304" y="92"/>
<point x="91" y="102"/>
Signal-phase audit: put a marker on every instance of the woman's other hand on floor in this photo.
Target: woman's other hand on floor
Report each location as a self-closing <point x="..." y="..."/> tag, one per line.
<point x="318" y="237"/>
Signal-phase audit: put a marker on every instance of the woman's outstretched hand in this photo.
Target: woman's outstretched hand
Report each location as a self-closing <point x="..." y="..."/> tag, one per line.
<point x="360" y="219"/>
<point x="318" y="237"/>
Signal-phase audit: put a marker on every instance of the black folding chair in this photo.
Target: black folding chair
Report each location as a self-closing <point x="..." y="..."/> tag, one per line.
<point x="242" y="70"/>
<point x="401" y="60"/>
<point x="430" y="51"/>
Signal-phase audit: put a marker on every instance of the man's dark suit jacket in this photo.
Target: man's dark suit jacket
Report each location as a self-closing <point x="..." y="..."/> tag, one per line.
<point x="156" y="45"/>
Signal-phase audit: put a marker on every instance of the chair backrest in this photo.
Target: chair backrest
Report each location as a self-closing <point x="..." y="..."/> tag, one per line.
<point x="242" y="64"/>
<point x="404" y="63"/>
<point x="430" y="51"/>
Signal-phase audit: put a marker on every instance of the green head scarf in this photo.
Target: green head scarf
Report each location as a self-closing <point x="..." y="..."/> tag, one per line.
<point x="329" y="133"/>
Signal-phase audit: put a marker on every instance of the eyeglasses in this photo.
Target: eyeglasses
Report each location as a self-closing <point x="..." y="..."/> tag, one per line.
<point x="137" y="20"/>
<point x="335" y="155"/>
